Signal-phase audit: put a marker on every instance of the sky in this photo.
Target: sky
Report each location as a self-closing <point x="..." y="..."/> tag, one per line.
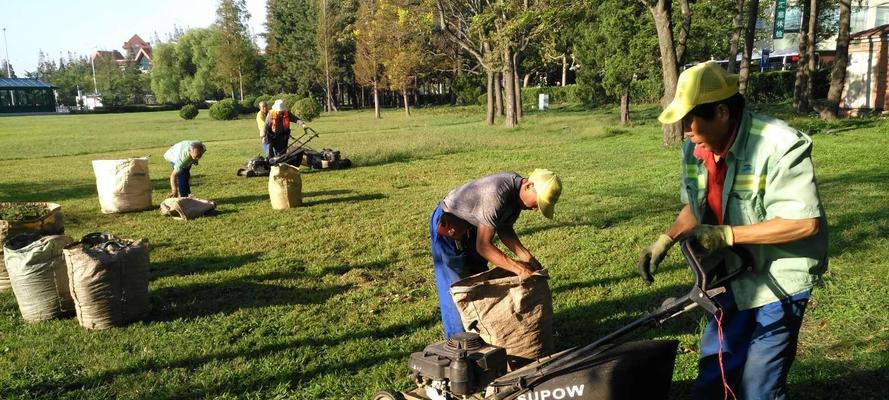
<point x="82" y="26"/>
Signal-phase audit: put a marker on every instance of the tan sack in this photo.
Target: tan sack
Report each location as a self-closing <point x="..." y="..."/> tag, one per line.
<point x="49" y="224"/>
<point x="38" y="275"/>
<point x="123" y="185"/>
<point x="109" y="280"/>
<point x="186" y="208"/>
<point x="509" y="311"/>
<point x="285" y="187"/>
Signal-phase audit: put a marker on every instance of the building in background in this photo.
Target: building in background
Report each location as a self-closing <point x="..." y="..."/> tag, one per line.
<point x="867" y="76"/>
<point x="26" y="95"/>
<point x="140" y="51"/>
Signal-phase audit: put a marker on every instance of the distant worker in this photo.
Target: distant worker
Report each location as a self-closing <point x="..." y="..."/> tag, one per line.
<point x="463" y="226"/>
<point x="277" y="128"/>
<point x="260" y="123"/>
<point x="748" y="182"/>
<point x="181" y="157"/>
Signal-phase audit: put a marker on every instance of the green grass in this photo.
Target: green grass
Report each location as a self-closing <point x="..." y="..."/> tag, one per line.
<point x="328" y="300"/>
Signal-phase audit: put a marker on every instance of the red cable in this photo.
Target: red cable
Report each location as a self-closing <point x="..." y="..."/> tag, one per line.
<point x="725" y="386"/>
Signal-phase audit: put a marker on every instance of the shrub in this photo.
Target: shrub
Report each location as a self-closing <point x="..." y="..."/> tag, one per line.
<point x="306" y="109"/>
<point x="468" y="89"/>
<point x="224" y="110"/>
<point x="777" y="86"/>
<point x="188" y="111"/>
<point x="557" y="95"/>
<point x="247" y="106"/>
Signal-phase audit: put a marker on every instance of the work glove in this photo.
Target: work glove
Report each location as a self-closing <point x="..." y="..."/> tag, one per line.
<point x="709" y="238"/>
<point x="652" y="257"/>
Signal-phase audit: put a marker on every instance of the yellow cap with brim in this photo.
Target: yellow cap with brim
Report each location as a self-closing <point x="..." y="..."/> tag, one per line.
<point x="704" y="83"/>
<point x="548" y="187"/>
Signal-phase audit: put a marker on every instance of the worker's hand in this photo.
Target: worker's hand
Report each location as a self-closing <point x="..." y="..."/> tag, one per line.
<point x="525" y="269"/>
<point x="172" y="195"/>
<point x="652" y="257"/>
<point x="709" y="238"/>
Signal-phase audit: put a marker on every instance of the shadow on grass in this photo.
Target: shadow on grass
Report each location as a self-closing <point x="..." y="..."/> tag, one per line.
<point x="247" y="198"/>
<point x="239" y="383"/>
<point x="191" y="266"/>
<point x="346" y="199"/>
<point x="52" y="191"/>
<point x="845" y="223"/>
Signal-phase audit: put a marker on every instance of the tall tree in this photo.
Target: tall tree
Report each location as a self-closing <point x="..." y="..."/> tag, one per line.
<point x="234" y="46"/>
<point x="291" y="59"/>
<point x="838" y="74"/>
<point x="404" y="55"/>
<point x="672" y="53"/>
<point x="330" y="17"/>
<point x="369" y="46"/>
<point x="749" y="36"/>
<point x="737" y="28"/>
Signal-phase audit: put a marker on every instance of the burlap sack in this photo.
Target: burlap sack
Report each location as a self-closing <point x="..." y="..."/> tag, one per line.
<point x="49" y="224"/>
<point x="123" y="185"/>
<point x="186" y="208"/>
<point x="109" y="280"/>
<point x="285" y="187"/>
<point x="38" y="275"/>
<point x="508" y="311"/>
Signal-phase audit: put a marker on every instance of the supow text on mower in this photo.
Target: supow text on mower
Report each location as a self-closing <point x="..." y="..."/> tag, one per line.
<point x="567" y="392"/>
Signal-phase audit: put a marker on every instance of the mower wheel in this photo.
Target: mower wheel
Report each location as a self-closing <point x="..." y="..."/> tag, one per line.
<point x="387" y="395"/>
<point x="250" y="173"/>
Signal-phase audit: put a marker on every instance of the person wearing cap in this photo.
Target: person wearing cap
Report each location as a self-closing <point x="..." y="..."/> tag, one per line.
<point x="181" y="157"/>
<point x="464" y="223"/>
<point x="260" y="123"/>
<point x="747" y="182"/>
<point x="277" y="128"/>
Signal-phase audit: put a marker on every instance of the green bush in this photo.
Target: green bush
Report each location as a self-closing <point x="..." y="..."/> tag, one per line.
<point x="777" y="86"/>
<point x="306" y="109"/>
<point x="224" y="110"/>
<point x="266" y="98"/>
<point x="557" y="95"/>
<point x="188" y="111"/>
<point x="469" y="89"/>
<point x="247" y="106"/>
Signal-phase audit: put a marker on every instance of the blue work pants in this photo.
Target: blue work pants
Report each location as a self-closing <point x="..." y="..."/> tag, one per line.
<point x="183" y="181"/>
<point x="452" y="262"/>
<point x="759" y="346"/>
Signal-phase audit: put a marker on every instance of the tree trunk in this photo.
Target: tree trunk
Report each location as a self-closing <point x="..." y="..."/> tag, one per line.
<point x="498" y="93"/>
<point x="800" y="101"/>
<point x="407" y="104"/>
<point x="812" y="32"/>
<point x="509" y="91"/>
<point x="241" y="82"/>
<point x="749" y="36"/>
<point x="564" y="69"/>
<point x="625" y="107"/>
<point x="838" y="75"/>
<point x="489" y="114"/>
<point x="662" y="14"/>
<point x="526" y="79"/>
<point x="736" y="36"/>
<point x="517" y="63"/>
<point x="376" y="100"/>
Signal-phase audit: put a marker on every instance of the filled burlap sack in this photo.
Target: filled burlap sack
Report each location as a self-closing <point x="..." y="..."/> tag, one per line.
<point x="509" y="311"/>
<point x="49" y="224"/>
<point x="186" y="208"/>
<point x="109" y="280"/>
<point x="123" y="185"/>
<point x="285" y="187"/>
<point x="38" y="275"/>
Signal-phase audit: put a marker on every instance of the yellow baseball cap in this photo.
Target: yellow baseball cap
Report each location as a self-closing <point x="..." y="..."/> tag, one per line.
<point x="704" y="83"/>
<point x="548" y="187"/>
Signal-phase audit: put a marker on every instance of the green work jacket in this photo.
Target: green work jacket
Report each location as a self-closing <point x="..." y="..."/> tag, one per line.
<point x="769" y="175"/>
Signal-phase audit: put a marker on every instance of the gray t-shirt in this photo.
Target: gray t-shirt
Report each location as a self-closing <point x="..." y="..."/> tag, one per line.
<point x="492" y="201"/>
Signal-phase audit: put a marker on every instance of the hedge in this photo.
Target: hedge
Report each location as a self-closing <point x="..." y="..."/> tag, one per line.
<point x="225" y="109"/>
<point x="188" y="111"/>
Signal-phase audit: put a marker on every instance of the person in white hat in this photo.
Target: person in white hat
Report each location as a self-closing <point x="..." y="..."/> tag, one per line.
<point x="748" y="183"/>
<point x="277" y="128"/>
<point x="464" y="224"/>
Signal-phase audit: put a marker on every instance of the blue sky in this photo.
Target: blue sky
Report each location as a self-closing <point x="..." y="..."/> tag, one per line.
<point x="82" y="26"/>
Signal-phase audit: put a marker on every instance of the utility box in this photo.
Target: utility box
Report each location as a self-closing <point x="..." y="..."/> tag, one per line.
<point x="542" y="101"/>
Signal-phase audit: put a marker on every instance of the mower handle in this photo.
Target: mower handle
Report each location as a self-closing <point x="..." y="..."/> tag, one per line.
<point x="698" y="292"/>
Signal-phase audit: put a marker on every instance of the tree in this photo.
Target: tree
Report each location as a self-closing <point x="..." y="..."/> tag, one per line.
<point x="291" y="58"/>
<point x="802" y="88"/>
<point x="838" y="75"/>
<point x="167" y="72"/>
<point x="410" y="25"/>
<point x="736" y="35"/>
<point x="328" y="14"/>
<point x="7" y="69"/>
<point x="672" y="53"/>
<point x="749" y="36"/>
<point x="234" y="47"/>
<point x="369" y="46"/>
<point x="185" y="70"/>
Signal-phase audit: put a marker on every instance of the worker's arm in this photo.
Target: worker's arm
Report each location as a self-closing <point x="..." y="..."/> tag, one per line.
<point x="485" y="246"/>
<point x="776" y="231"/>
<point x="174" y="188"/>
<point x="685" y="221"/>
<point x="512" y="242"/>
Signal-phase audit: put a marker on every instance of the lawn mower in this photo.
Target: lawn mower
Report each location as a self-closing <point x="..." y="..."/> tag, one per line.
<point x="298" y="153"/>
<point x="465" y="367"/>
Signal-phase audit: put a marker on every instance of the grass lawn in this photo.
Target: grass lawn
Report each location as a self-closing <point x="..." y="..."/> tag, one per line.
<point x="327" y="301"/>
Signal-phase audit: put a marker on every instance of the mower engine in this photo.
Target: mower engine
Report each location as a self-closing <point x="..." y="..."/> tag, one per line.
<point x="460" y="366"/>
